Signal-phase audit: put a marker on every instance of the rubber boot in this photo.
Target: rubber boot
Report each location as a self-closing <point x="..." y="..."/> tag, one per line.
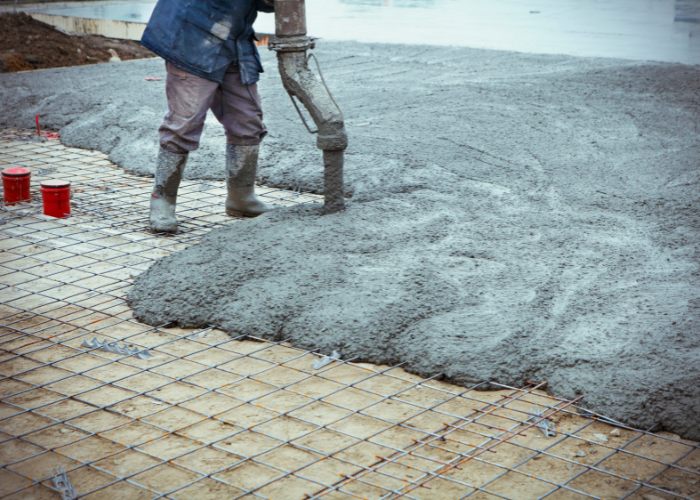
<point x="167" y="180"/>
<point x="241" y="169"/>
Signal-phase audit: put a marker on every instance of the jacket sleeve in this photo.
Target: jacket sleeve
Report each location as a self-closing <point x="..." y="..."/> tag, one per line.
<point x="265" y="5"/>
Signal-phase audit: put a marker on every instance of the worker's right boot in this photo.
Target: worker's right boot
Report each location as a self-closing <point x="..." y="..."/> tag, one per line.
<point x="241" y="170"/>
<point x="168" y="174"/>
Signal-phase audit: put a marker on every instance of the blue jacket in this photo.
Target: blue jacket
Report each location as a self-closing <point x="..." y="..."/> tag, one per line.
<point x="204" y="37"/>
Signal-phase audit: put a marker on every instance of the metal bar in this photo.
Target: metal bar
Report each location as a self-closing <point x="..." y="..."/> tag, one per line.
<point x="37" y="321"/>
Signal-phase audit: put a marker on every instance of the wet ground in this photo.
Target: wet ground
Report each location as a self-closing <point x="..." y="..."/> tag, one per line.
<point x="659" y="30"/>
<point x="514" y="217"/>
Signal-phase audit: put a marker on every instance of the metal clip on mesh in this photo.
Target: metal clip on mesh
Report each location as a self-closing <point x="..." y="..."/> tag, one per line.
<point x="547" y="427"/>
<point x="116" y="348"/>
<point x="325" y="360"/>
<point x="63" y="485"/>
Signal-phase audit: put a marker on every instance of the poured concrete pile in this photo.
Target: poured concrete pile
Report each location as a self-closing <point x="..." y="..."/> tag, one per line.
<point x="513" y="218"/>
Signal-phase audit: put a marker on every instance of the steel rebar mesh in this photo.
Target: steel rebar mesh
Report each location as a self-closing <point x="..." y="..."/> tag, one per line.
<point x="208" y="415"/>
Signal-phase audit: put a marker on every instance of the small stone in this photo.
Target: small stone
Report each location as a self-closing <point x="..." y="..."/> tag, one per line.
<point x="601" y="438"/>
<point x="580" y="453"/>
<point x="615" y="433"/>
<point x="64" y="431"/>
<point x="114" y="56"/>
<point x="32" y="59"/>
<point x="537" y="457"/>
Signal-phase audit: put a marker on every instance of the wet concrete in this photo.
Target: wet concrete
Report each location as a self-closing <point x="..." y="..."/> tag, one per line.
<point x="513" y="217"/>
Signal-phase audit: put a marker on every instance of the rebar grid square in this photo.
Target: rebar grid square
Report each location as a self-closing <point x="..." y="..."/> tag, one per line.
<point x="209" y="416"/>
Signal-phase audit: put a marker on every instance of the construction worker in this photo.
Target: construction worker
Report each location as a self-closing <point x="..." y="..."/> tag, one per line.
<point x="212" y="63"/>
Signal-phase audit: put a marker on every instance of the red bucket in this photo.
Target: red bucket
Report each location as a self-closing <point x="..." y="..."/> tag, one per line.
<point x="56" y="197"/>
<point x="15" y="184"/>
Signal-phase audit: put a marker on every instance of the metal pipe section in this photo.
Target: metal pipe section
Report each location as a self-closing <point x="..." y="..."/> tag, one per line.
<point x="292" y="46"/>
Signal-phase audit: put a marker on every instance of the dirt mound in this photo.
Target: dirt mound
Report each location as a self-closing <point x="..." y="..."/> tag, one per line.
<point x="26" y="44"/>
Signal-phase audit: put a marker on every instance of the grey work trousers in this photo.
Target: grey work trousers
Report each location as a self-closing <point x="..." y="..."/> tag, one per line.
<point x="235" y="105"/>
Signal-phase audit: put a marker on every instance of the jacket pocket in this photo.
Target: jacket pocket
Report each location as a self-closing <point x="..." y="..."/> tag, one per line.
<point x="202" y="41"/>
<point x="215" y="17"/>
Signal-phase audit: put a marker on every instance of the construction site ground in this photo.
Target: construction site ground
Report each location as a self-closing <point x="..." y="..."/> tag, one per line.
<point x="524" y="226"/>
<point x="204" y="415"/>
<point x="513" y="217"/>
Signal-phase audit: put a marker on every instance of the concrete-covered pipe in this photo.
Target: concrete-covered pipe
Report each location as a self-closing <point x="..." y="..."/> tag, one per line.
<point x="292" y="45"/>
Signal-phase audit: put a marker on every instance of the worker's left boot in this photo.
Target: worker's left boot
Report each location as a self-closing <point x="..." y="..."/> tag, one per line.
<point x="241" y="169"/>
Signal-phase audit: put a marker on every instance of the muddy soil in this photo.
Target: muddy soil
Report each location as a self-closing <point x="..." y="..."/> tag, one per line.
<point x="27" y="44"/>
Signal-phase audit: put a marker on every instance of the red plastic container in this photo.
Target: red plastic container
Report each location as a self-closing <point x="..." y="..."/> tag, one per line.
<point x="56" y="197"/>
<point x="15" y="184"/>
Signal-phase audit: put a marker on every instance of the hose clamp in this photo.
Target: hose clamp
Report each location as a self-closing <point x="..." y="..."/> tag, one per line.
<point x="292" y="44"/>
